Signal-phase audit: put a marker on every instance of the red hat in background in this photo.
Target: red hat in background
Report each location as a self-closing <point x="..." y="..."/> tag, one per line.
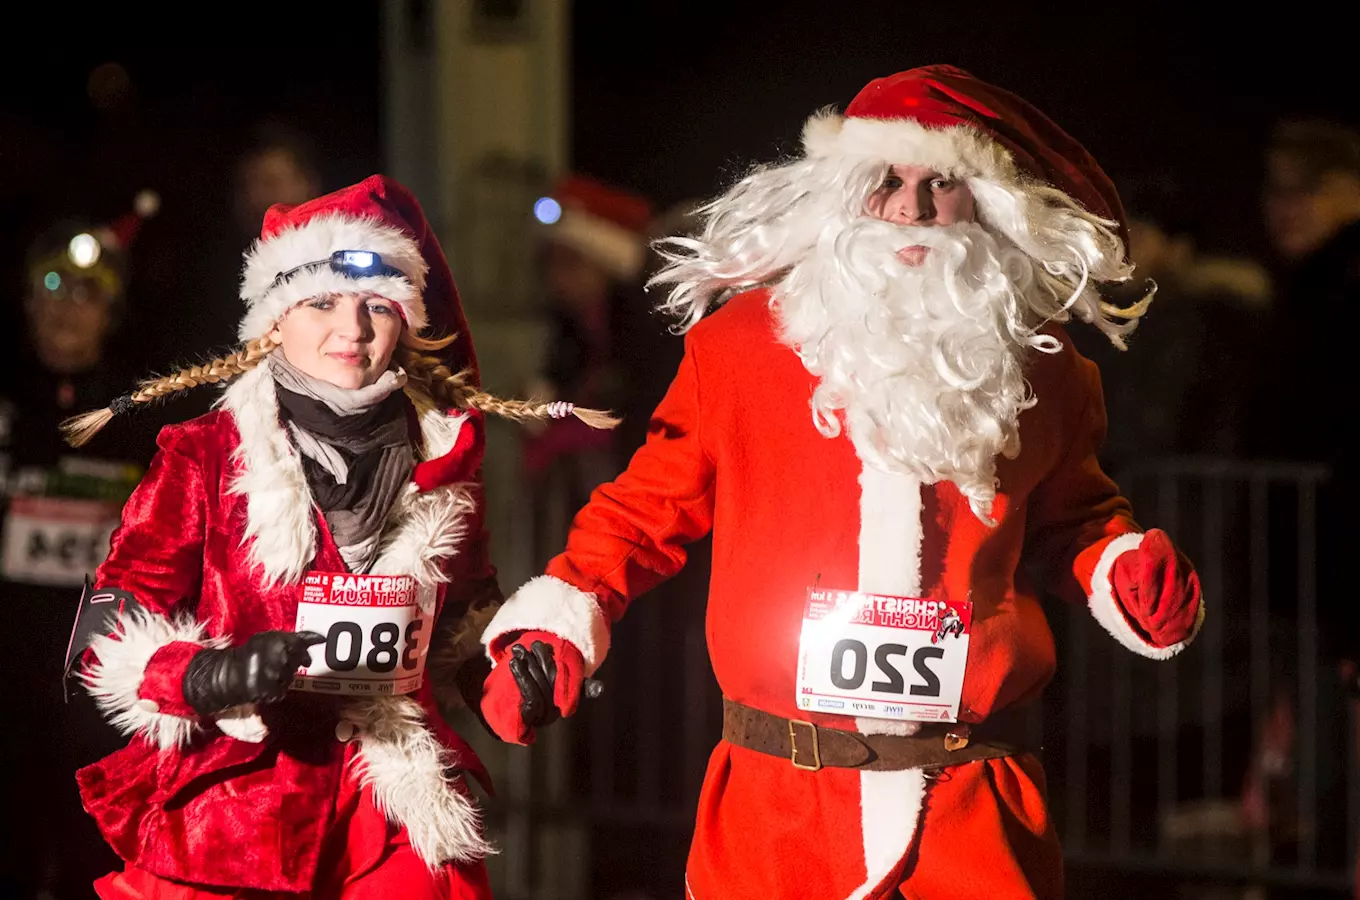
<point x="98" y="252"/>
<point x="120" y="233"/>
<point x="606" y="224"/>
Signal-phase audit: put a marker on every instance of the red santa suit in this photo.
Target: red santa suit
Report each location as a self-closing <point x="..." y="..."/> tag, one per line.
<point x="323" y="795"/>
<point x="733" y="450"/>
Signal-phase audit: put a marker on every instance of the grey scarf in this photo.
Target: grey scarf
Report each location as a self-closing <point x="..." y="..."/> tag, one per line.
<point x="356" y="452"/>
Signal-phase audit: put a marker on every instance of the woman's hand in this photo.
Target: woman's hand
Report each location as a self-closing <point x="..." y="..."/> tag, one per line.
<point x="258" y="671"/>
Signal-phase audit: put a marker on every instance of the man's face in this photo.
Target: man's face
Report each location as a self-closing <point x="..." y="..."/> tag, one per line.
<point x="921" y="196"/>
<point x="1303" y="210"/>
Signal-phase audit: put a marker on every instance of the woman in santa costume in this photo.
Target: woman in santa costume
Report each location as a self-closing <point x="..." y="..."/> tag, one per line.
<point x="330" y="507"/>
<point x="885" y="427"/>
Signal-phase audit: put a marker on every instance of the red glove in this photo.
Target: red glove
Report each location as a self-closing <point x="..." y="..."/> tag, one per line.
<point x="1158" y="589"/>
<point x="537" y="677"/>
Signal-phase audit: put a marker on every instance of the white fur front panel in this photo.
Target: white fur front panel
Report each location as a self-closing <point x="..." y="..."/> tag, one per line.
<point x="115" y="678"/>
<point x="889" y="552"/>
<point x="400" y="757"/>
<point x="314" y="241"/>
<point x="280" y="515"/>
<point x="890" y="539"/>
<point x="890" y="533"/>
<point x="423" y="530"/>
<point x="957" y="151"/>
<point x="1107" y="611"/>
<point x="405" y="766"/>
<point x="439" y="429"/>
<point x="550" y="604"/>
<point x="890" y="804"/>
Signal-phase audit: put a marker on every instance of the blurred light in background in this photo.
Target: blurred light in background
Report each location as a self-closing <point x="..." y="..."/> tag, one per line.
<point x="547" y="210"/>
<point x="83" y="250"/>
<point x="51" y="281"/>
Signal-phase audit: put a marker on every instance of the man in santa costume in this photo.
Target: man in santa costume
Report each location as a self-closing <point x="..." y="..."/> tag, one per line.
<point x="328" y="515"/>
<point x="880" y="417"/>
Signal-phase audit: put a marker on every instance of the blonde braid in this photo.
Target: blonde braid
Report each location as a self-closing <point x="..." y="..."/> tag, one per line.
<point x="221" y="369"/>
<point x="80" y="429"/>
<point x="455" y="389"/>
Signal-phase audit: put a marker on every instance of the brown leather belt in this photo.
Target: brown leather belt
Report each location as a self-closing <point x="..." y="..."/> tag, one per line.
<point x="935" y="744"/>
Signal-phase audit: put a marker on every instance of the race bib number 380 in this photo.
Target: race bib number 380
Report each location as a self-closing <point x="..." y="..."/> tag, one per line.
<point x="883" y="657"/>
<point x="376" y="635"/>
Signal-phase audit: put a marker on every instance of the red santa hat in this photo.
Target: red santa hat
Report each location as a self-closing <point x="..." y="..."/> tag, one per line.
<point x="945" y="118"/>
<point x="100" y="252"/>
<point x="369" y="237"/>
<point x="119" y="234"/>
<point x="606" y="224"/>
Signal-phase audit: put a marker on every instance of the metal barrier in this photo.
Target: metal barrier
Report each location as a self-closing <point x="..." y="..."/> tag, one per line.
<point x="631" y="762"/>
<point x="1146" y="759"/>
<point x="1154" y="755"/>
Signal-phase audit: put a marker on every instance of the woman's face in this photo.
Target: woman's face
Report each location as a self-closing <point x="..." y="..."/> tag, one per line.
<point x="345" y="339"/>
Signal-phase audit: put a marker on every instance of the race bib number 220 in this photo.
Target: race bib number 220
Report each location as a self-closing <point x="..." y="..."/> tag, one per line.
<point x="882" y="657"/>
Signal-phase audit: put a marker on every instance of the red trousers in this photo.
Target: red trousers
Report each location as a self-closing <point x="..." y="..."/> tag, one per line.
<point x="343" y="873"/>
<point x="986" y="833"/>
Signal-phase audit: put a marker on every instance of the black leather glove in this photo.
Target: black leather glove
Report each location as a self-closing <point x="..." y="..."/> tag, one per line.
<point x="258" y="671"/>
<point x="536" y="674"/>
<point x="535" y="671"/>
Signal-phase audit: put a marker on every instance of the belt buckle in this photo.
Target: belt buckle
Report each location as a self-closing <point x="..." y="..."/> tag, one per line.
<point x="793" y="745"/>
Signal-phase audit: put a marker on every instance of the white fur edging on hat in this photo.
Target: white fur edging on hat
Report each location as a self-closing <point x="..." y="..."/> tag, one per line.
<point x="315" y="240"/>
<point x="956" y="151"/>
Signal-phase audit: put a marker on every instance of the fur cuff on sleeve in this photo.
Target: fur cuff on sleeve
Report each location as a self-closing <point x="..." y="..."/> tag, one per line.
<point x="122" y="657"/>
<point x="550" y="604"/>
<point x="1107" y="611"/>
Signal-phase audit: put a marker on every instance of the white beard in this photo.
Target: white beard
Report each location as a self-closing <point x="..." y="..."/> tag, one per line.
<point x="926" y="363"/>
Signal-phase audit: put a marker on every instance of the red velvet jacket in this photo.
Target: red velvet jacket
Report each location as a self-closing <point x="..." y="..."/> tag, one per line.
<point x="214" y="544"/>
<point x="733" y="450"/>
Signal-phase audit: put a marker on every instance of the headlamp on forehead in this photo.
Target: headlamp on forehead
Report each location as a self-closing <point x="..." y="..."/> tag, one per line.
<point x="79" y="271"/>
<point x="350" y="263"/>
